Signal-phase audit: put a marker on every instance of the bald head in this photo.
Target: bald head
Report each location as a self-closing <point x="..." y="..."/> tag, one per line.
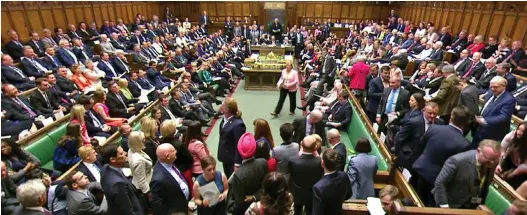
<point x="308" y="144"/>
<point x="334" y="136"/>
<point x="315" y="116"/>
<point x="166" y="153"/>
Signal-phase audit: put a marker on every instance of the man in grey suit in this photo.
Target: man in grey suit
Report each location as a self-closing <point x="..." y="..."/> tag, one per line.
<point x="80" y="199"/>
<point x="138" y="57"/>
<point x="465" y="178"/>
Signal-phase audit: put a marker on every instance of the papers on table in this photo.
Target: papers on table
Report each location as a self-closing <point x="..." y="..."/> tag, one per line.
<point x="210" y="192"/>
<point x="375" y="127"/>
<point x="58" y="115"/>
<point x="100" y="139"/>
<point x="47" y="121"/>
<point x="407" y="175"/>
<point x="374" y="206"/>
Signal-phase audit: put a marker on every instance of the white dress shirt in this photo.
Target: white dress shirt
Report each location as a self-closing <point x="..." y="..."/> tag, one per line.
<point x="94" y="170"/>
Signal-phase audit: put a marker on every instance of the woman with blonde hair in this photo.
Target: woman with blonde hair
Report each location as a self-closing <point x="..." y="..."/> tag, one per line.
<point x="140" y="163"/>
<point x="184" y="159"/>
<point x="288" y="85"/>
<point x="94" y="74"/>
<point x="99" y="98"/>
<point x="149" y="128"/>
<point x="232" y="128"/>
<point x="77" y="116"/>
<point x="123" y="87"/>
<point x="262" y="132"/>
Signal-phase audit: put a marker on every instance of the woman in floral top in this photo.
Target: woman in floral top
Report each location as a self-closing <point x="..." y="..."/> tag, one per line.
<point x="276" y="198"/>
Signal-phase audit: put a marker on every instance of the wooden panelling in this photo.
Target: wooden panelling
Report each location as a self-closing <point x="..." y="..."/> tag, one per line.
<point x="501" y="19"/>
<point x="343" y="11"/>
<point x="26" y="17"/>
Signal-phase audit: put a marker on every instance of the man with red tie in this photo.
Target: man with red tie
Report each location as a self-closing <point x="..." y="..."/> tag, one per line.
<point x="475" y="69"/>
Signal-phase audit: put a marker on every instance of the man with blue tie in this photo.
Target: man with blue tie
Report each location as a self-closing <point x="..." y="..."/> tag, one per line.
<point x="106" y="66"/>
<point x="394" y="103"/>
<point x="32" y="65"/>
<point x="495" y="117"/>
<point x="169" y="189"/>
<point x="66" y="55"/>
<point x="14" y="75"/>
<point x="51" y="60"/>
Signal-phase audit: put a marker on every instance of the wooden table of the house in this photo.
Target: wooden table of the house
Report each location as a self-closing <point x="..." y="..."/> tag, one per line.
<point x="261" y="79"/>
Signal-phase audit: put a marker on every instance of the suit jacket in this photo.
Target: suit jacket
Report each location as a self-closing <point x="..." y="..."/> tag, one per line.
<point x="38" y="102"/>
<point x="19" y="113"/>
<point x="437" y="150"/>
<point x="106" y="69"/>
<point x="375" y="92"/>
<point x="401" y="104"/>
<point x="14" y="50"/>
<point x="90" y="124"/>
<point x="330" y="192"/>
<point x="52" y="64"/>
<point x="299" y="125"/>
<point x="37" y="46"/>
<point x="436" y="55"/>
<point x="139" y="58"/>
<point x="433" y="84"/>
<point x="497" y="116"/>
<point x="203" y="20"/>
<point x="476" y="72"/>
<point x="65" y="58"/>
<point x="79" y="53"/>
<point x="484" y="80"/>
<point x="66" y="85"/>
<point x="446" y="39"/>
<point x="362" y="170"/>
<point x="176" y="108"/>
<point x="82" y="168"/>
<point x="230" y="133"/>
<point x="511" y="82"/>
<point x="30" y="69"/>
<point x="458" y="182"/>
<point x="305" y="170"/>
<point x="120" y="66"/>
<point x="120" y="193"/>
<point x="117" y="109"/>
<point x="167" y="196"/>
<point x="448" y="96"/>
<point x="23" y="211"/>
<point x="20" y="81"/>
<point x="342" y="152"/>
<point x="463" y="65"/>
<point x="118" y="44"/>
<point x="341" y="113"/>
<point x="242" y="184"/>
<point x="469" y="98"/>
<point x="80" y="203"/>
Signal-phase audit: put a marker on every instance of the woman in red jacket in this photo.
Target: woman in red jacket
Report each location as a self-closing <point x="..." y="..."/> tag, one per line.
<point x="358" y="75"/>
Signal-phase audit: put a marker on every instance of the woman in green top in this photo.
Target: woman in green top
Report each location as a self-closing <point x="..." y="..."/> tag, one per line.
<point x="207" y="78"/>
<point x="123" y="85"/>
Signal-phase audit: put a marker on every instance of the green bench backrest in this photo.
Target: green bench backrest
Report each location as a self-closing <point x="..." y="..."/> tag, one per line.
<point x="44" y="147"/>
<point x="356" y="130"/>
<point x="496" y="202"/>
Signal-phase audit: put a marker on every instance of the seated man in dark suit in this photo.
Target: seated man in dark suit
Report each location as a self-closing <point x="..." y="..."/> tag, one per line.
<point x="490" y="71"/>
<point x="82" y="51"/>
<point x="332" y="189"/>
<point x="184" y="112"/>
<point x="32" y="196"/>
<point x="310" y="124"/>
<point x="503" y="70"/>
<point x="36" y="44"/>
<point x="339" y="114"/>
<point x="114" y="40"/>
<point x="44" y="101"/>
<point x="138" y="57"/>
<point x="119" y="105"/>
<point x="156" y="77"/>
<point x="17" y="106"/>
<point x="119" y="191"/>
<point x="32" y="65"/>
<point x="120" y="63"/>
<point x="437" y="151"/>
<point x="14" y="75"/>
<point x="463" y="63"/>
<point x="14" y="47"/>
<point x="521" y="100"/>
<point x="51" y="60"/>
<point x="65" y="83"/>
<point x="475" y="69"/>
<point x="65" y="99"/>
<point x="66" y="55"/>
<point x="90" y="166"/>
<point x="169" y="189"/>
<point x="106" y="66"/>
<point x="95" y="124"/>
<point x="13" y="127"/>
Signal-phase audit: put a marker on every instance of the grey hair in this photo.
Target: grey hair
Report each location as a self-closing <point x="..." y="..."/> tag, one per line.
<point x="29" y="193"/>
<point x="447" y="69"/>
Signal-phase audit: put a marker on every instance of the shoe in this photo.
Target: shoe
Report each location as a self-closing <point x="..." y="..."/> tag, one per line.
<point x="291" y="113"/>
<point x="302" y="108"/>
<point x="218" y="102"/>
<point x="216" y="115"/>
<point x="274" y="114"/>
<point x="205" y="135"/>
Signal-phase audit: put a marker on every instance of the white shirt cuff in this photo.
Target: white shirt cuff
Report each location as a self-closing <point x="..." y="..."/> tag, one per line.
<point x="444" y="206"/>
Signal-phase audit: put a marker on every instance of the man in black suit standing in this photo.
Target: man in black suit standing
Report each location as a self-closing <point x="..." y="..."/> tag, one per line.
<point x="339" y="147"/>
<point x="232" y="128"/>
<point x="119" y="191"/>
<point x="169" y="190"/>
<point x="437" y="151"/>
<point x="14" y="75"/>
<point x="394" y="102"/>
<point x="276" y="29"/>
<point x="375" y="92"/>
<point x="89" y="166"/>
<point x="339" y="114"/>
<point x="305" y="171"/>
<point x="408" y="140"/>
<point x="332" y="189"/>
<point x="44" y="101"/>
<point x="307" y="125"/>
<point x="32" y="196"/>
<point x="14" y="48"/>
<point x="204" y="19"/>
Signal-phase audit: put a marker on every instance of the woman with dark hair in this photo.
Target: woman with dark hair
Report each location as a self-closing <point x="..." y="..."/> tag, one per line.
<point x="21" y="165"/>
<point x="262" y="151"/>
<point x="100" y="107"/>
<point x="262" y="132"/>
<point x="361" y="170"/>
<point x="513" y="165"/>
<point x="275" y="199"/>
<point x="67" y="152"/>
<point x="156" y="114"/>
<point x="220" y="180"/>
<point x="196" y="146"/>
<point x="416" y="103"/>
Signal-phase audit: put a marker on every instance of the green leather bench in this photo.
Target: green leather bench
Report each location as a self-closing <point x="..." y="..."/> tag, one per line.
<point x="496" y="202"/>
<point x="44" y="147"/>
<point x="356" y="130"/>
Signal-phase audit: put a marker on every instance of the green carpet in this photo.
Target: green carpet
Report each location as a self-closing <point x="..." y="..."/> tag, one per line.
<point x="255" y="104"/>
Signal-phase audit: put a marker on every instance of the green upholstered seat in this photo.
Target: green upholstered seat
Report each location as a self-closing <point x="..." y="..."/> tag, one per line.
<point x="43" y="149"/>
<point x="57" y="133"/>
<point x="496" y="202"/>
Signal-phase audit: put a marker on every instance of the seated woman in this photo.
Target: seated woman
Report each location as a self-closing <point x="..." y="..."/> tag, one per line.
<point x="513" y="165"/>
<point x="99" y="97"/>
<point x="123" y="87"/>
<point x="220" y="180"/>
<point x="275" y="199"/>
<point x="362" y="169"/>
<point x="196" y="146"/>
<point x="94" y="74"/>
<point x="80" y="80"/>
<point x="77" y="116"/>
<point x="67" y="152"/>
<point x="21" y="165"/>
<point x="156" y="114"/>
<point x="207" y="78"/>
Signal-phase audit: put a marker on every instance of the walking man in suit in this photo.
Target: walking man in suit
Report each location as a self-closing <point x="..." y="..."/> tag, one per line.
<point x="332" y="189"/>
<point x="232" y="128"/>
<point x="448" y="96"/>
<point x="305" y="171"/>
<point x="495" y="116"/>
<point x="465" y="178"/>
<point x="119" y="191"/>
<point x="339" y="147"/>
<point x="80" y="198"/>
<point x="375" y="91"/>
<point x="394" y="102"/>
<point x="169" y="189"/>
<point x="437" y="151"/>
<point x="310" y="124"/>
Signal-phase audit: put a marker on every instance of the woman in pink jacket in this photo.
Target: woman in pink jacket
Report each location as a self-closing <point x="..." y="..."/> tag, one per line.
<point x="288" y="85"/>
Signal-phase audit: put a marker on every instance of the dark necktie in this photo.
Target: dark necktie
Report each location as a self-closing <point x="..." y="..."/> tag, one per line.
<point x="31" y="113"/>
<point x="121" y="99"/>
<point x="97" y="124"/>
<point x="45" y="95"/>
